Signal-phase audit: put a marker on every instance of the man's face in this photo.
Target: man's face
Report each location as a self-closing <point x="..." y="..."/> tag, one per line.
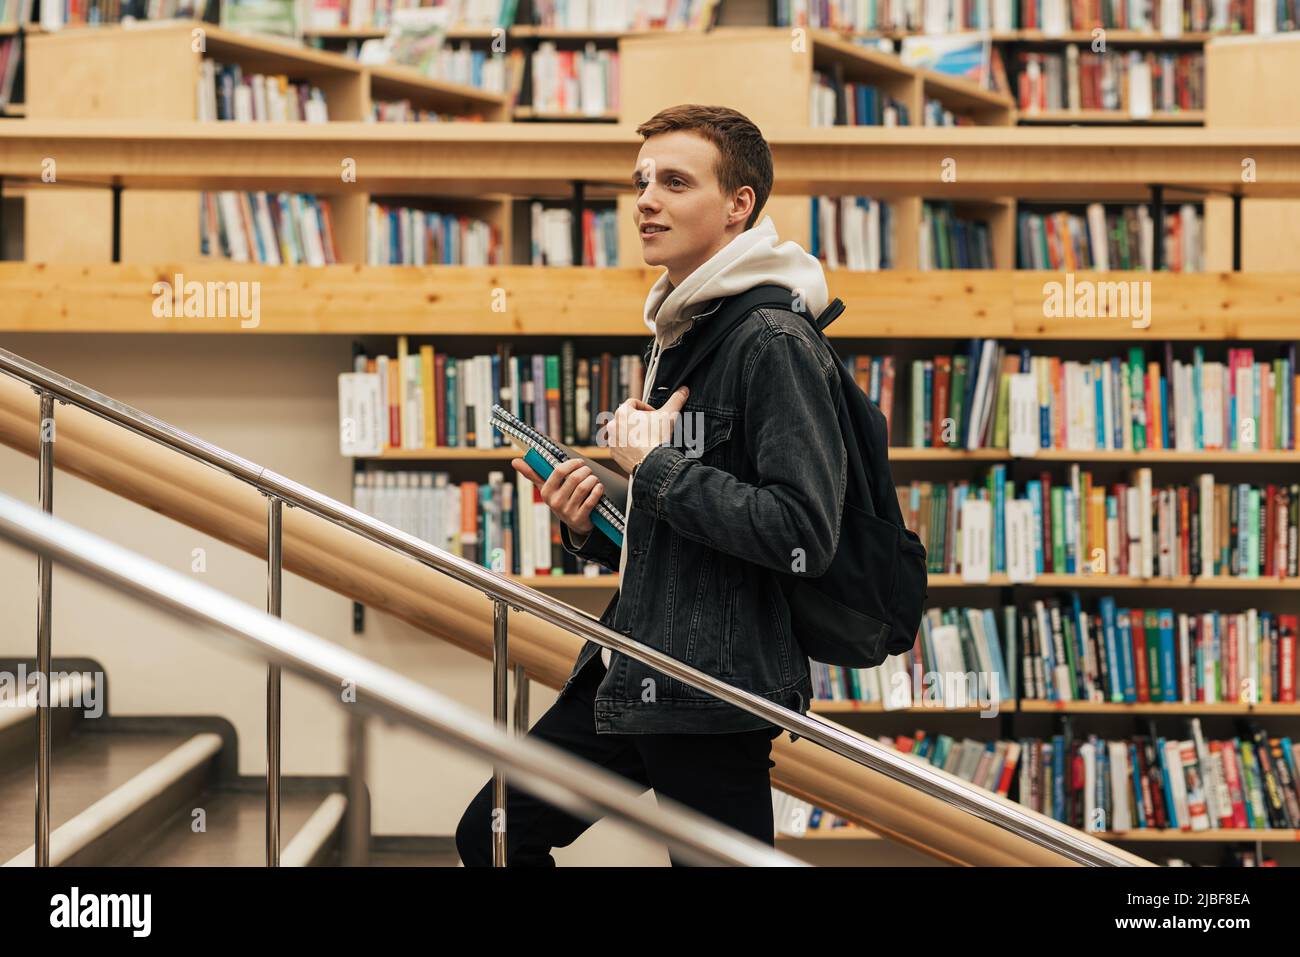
<point x="677" y="188"/>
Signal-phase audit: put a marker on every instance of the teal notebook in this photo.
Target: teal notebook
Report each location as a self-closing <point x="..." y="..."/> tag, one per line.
<point x="543" y="454"/>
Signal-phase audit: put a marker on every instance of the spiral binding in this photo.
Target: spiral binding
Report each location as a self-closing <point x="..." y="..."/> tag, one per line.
<point x="554" y="455"/>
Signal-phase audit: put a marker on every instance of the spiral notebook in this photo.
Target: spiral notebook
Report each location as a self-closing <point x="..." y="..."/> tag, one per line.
<point x="543" y="454"/>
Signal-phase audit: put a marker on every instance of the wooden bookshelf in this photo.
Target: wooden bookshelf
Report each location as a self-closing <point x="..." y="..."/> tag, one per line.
<point x="62" y="66"/>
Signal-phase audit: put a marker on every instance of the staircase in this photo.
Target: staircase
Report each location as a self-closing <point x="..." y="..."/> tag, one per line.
<point x="164" y="791"/>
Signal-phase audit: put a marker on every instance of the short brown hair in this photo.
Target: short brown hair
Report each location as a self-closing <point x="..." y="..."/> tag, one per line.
<point x="745" y="159"/>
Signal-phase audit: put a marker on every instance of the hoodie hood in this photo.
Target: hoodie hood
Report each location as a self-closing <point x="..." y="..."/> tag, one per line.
<point x="751" y="259"/>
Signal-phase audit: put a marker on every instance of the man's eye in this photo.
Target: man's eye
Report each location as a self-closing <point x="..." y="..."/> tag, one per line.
<point x="640" y="184"/>
<point x="677" y="179"/>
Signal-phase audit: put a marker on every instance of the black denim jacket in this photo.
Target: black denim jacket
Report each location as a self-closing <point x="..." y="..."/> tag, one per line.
<point x="714" y="538"/>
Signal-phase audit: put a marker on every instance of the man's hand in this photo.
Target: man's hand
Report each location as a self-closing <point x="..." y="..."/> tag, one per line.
<point x="637" y="428"/>
<point x="571" y="491"/>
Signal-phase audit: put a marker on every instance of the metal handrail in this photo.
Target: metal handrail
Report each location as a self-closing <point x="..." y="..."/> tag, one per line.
<point x="543" y="769"/>
<point x="966" y="797"/>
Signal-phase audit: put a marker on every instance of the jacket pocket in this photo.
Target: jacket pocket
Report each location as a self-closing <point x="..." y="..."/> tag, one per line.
<point x="705" y="435"/>
<point x="732" y="596"/>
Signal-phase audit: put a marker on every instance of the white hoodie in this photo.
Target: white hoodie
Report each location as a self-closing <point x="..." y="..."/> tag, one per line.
<point x="752" y="258"/>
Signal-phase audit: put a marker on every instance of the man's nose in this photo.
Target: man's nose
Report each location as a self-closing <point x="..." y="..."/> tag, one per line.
<point x="647" y="201"/>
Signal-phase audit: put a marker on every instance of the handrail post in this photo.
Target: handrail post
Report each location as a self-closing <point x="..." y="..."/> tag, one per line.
<point x="521" y="700"/>
<point x="499" y="707"/>
<point x="274" y="540"/>
<point x="44" y="570"/>
<point x="357" y="849"/>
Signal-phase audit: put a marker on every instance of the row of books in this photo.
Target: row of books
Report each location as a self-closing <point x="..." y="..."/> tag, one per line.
<point x="462" y="63"/>
<point x="624" y="14"/>
<point x="1168" y="18"/>
<point x="992" y="397"/>
<point x="501" y="524"/>
<point x="952" y="241"/>
<point x="875" y="376"/>
<point x="1205" y="529"/>
<point x="404" y="236"/>
<point x="963" y="657"/>
<point x="835" y="102"/>
<point x="424" y="399"/>
<point x="369" y="14"/>
<point x="55" y="14"/>
<point x="289" y="229"/>
<point x="853" y="232"/>
<point x="552" y="236"/>
<point x="1141" y="655"/>
<point x="404" y="111"/>
<point x="1110" y="237"/>
<point x="969" y="657"/>
<point x="1133" y="82"/>
<point x="226" y="92"/>
<point x="934" y="113"/>
<point x="1153" y="782"/>
<point x="574" y="81"/>
<point x="14" y="12"/>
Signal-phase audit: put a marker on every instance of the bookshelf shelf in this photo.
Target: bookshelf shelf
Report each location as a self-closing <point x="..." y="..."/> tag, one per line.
<point x="1267" y="835"/>
<point x="903" y="453"/>
<point x="1272" y="835"/>
<point x="584" y="301"/>
<point x="1112" y="36"/>
<point x="1188" y="117"/>
<point x="503" y="454"/>
<point x="1080" y="582"/>
<point x="838" y="706"/>
<point x="1142" y="457"/>
<point x="995" y="161"/>
<point x="1071" y="581"/>
<point x="528" y="113"/>
<point x="1159" y="708"/>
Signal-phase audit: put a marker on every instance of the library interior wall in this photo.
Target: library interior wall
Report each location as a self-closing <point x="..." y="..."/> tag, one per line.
<point x="272" y="400"/>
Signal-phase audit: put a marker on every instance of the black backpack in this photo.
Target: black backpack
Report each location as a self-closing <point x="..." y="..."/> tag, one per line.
<point x="867" y="605"/>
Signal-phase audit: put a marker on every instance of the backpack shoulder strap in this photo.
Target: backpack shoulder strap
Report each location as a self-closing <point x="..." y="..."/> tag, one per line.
<point x="730" y="315"/>
<point x="829" y="314"/>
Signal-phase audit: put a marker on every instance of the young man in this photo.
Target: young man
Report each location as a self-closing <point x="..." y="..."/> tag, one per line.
<point x="712" y="539"/>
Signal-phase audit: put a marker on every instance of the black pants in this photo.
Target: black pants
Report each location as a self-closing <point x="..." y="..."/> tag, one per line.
<point x="724" y="776"/>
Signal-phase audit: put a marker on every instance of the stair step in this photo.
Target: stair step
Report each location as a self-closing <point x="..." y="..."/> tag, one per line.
<point x="85" y="769"/>
<point x="235" y="830"/>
